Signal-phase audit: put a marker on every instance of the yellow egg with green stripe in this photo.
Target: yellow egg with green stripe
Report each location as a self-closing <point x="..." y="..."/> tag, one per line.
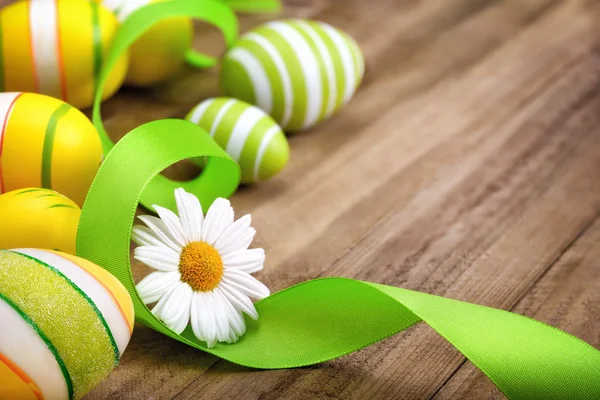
<point x="298" y="71"/>
<point x="40" y="218"/>
<point x="160" y="52"/>
<point x="46" y="143"/>
<point x="65" y="324"/>
<point x="57" y="48"/>
<point x="247" y="134"/>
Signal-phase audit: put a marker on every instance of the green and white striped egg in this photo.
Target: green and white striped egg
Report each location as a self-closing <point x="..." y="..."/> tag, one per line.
<point x="246" y="133"/>
<point x="298" y="71"/>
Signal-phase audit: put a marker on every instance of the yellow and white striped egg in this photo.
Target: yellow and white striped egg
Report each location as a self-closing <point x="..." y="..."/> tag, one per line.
<point x="298" y="71"/>
<point x="160" y="52"/>
<point x="65" y="324"/>
<point x="39" y="218"/>
<point x="57" y="48"/>
<point x="46" y="143"/>
<point x="247" y="134"/>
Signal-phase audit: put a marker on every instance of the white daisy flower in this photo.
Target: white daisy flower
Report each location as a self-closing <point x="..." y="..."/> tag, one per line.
<point x="203" y="268"/>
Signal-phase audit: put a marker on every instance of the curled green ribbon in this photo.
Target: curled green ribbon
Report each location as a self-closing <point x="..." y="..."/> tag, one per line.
<point x="322" y="319"/>
<point x="160" y="190"/>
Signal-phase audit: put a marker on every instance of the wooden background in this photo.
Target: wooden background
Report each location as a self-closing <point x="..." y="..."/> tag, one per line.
<point x="467" y="166"/>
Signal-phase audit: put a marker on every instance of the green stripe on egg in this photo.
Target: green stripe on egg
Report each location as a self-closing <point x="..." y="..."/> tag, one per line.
<point x="298" y="71"/>
<point x="246" y="133"/>
<point x="97" y="39"/>
<point x="49" y="136"/>
<point x="47" y="342"/>
<point x="66" y="316"/>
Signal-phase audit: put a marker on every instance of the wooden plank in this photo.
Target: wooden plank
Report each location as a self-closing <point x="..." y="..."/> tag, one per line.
<point x="566" y="297"/>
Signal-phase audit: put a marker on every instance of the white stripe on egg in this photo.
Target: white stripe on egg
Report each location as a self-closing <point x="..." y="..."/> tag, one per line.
<point x="327" y="61"/>
<point x="21" y="344"/>
<point x="347" y="60"/>
<point x="219" y="116"/>
<point x="199" y="110"/>
<point x="6" y="101"/>
<point x="97" y="292"/>
<point x="284" y="75"/>
<point x="258" y="77"/>
<point x="243" y="126"/>
<point x="310" y="70"/>
<point x="44" y="32"/>
<point x="262" y="149"/>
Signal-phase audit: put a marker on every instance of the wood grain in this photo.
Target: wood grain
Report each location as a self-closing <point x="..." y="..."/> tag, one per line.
<point x="467" y="165"/>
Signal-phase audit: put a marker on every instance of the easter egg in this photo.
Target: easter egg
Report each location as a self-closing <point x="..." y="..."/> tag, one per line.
<point x="298" y="71"/>
<point x="65" y="324"/>
<point x="47" y="143"/>
<point x="160" y="52"/>
<point x="246" y="133"/>
<point x="57" y="48"/>
<point x="40" y="218"/>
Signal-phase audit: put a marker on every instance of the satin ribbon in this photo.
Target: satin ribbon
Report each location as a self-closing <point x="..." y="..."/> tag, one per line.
<point x="159" y="190"/>
<point x="322" y="319"/>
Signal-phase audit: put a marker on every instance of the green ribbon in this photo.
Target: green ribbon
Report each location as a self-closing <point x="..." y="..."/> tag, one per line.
<point x="322" y="319"/>
<point x="160" y="190"/>
<point x="316" y="320"/>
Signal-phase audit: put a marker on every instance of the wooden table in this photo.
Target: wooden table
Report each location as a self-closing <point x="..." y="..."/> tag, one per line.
<point x="467" y="166"/>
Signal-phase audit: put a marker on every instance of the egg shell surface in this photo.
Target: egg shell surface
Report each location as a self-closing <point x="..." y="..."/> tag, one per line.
<point x="57" y="48"/>
<point x="298" y="71"/>
<point x="46" y="143"/>
<point x="65" y="324"/>
<point x="247" y="134"/>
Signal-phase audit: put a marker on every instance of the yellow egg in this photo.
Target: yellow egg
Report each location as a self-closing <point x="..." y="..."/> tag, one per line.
<point x="57" y="47"/>
<point x="159" y="53"/>
<point x="65" y="324"/>
<point x="45" y="142"/>
<point x="41" y="218"/>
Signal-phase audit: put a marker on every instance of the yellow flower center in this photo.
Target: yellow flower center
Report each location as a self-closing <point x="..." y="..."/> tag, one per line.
<point x="200" y="266"/>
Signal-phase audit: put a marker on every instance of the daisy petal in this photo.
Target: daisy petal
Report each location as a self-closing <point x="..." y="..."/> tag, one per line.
<point x="190" y="215"/>
<point x="236" y="320"/>
<point x="245" y="283"/>
<point x="161" y="231"/>
<point x="232" y="337"/>
<point x="156" y="284"/>
<point x="202" y="318"/>
<point x="234" y="236"/>
<point x="184" y="303"/>
<point x="218" y="218"/>
<point x="239" y="301"/>
<point x="144" y="236"/>
<point x="220" y="313"/>
<point x="174" y="308"/>
<point x="246" y="239"/>
<point x="171" y="221"/>
<point x="249" y="261"/>
<point x="156" y="257"/>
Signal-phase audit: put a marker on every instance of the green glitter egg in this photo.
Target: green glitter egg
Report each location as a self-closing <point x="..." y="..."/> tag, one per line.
<point x="65" y="324"/>
<point x="247" y="134"/>
<point x="298" y="71"/>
